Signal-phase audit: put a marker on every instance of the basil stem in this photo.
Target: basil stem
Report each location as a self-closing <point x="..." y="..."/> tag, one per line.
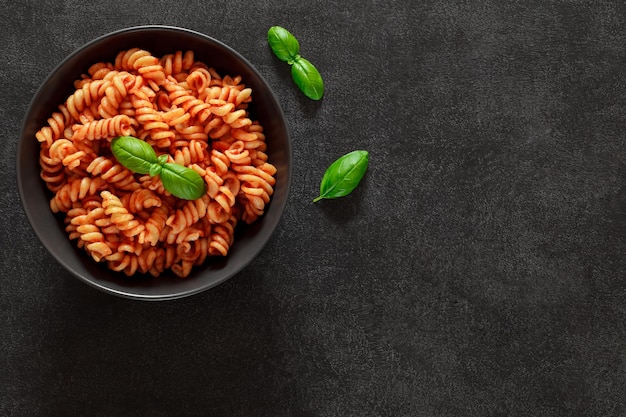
<point x="343" y="175"/>
<point x="138" y="156"/>
<point x="286" y="47"/>
<point x="155" y="170"/>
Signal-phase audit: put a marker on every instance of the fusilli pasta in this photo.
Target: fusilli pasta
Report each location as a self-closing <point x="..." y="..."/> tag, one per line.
<point x="182" y="108"/>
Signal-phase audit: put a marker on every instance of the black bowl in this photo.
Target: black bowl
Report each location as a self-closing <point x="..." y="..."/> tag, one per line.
<point x="159" y="40"/>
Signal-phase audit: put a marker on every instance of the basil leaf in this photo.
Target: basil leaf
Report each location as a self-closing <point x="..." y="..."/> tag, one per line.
<point x="307" y="78"/>
<point x="134" y="154"/>
<point x="343" y="175"/>
<point x="182" y="182"/>
<point x="284" y="45"/>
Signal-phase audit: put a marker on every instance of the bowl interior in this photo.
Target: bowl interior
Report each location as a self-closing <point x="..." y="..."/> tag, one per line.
<point x="159" y="40"/>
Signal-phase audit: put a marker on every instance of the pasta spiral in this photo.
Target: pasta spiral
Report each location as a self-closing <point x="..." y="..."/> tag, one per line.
<point x="52" y="170"/>
<point x="56" y="126"/>
<point x="120" y="216"/>
<point x="75" y="190"/>
<point x="91" y="237"/>
<point x="114" y="93"/>
<point x="181" y="96"/>
<point x="119" y="125"/>
<point x="113" y="173"/>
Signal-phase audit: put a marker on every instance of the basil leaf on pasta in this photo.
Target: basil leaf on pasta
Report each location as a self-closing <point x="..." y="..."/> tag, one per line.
<point x="284" y="45"/>
<point x="182" y="182"/>
<point x="138" y="156"/>
<point x="134" y="154"/>
<point x="307" y="78"/>
<point x="343" y="175"/>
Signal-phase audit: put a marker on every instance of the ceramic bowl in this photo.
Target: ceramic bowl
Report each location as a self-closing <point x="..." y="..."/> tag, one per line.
<point x="35" y="197"/>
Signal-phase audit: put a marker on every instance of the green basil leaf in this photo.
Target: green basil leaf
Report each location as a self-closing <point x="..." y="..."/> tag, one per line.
<point x="182" y="182"/>
<point x="343" y="175"/>
<point x="134" y="154"/>
<point x="284" y="45"/>
<point x="307" y="78"/>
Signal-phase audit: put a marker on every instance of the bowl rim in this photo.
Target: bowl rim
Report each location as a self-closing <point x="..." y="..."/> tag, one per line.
<point x="129" y="294"/>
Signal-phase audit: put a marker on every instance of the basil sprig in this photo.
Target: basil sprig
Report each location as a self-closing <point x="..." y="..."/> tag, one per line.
<point x="286" y="47"/>
<point x="343" y="175"/>
<point x="138" y="156"/>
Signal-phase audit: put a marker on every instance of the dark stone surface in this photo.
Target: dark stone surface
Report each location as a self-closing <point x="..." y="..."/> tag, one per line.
<point x="478" y="269"/>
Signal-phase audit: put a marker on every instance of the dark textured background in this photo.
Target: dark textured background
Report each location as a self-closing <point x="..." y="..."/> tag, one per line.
<point x="478" y="269"/>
